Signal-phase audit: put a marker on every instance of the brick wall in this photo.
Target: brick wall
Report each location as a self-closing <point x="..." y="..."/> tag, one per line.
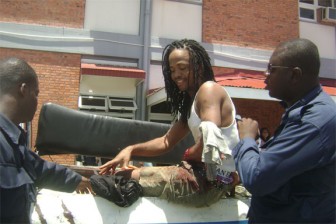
<point x="58" y="73"/>
<point x="59" y="76"/>
<point x="250" y="23"/>
<point x="61" y="13"/>
<point x="267" y="113"/>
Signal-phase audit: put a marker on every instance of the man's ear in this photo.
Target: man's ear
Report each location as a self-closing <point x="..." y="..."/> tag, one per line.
<point x="23" y="90"/>
<point x="296" y="75"/>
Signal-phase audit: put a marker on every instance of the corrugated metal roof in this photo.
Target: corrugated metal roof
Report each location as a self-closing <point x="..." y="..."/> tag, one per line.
<point x="256" y="81"/>
<point x="93" y="69"/>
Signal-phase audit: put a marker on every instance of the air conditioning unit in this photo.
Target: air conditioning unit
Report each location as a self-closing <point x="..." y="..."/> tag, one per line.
<point x="329" y="14"/>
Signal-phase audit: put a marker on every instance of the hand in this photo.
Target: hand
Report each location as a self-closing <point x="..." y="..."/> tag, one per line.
<point x="236" y="179"/>
<point x="121" y="159"/>
<point x="84" y="187"/>
<point x="186" y="178"/>
<point x="248" y="128"/>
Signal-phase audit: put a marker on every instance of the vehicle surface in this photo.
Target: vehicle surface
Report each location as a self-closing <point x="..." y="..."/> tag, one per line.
<point x="62" y="130"/>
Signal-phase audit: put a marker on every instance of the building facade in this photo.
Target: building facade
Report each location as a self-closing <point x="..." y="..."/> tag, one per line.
<point x="104" y="57"/>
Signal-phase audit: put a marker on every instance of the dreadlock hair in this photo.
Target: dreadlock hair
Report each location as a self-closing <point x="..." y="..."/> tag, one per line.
<point x="201" y="68"/>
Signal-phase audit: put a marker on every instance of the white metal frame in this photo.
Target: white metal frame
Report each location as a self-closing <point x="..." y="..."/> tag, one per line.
<point x="92" y="107"/>
<point x="109" y="109"/>
<point x="326" y="13"/>
<point x="132" y="107"/>
<point x="314" y="8"/>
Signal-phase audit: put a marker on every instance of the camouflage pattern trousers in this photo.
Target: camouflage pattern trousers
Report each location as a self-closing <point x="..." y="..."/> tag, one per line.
<point x="177" y="184"/>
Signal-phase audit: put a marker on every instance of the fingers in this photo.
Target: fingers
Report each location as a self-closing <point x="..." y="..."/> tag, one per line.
<point x="247" y="121"/>
<point x="84" y="187"/>
<point x="107" y="171"/>
<point x="129" y="167"/>
<point x="108" y="167"/>
<point x="195" y="185"/>
<point x="191" y="182"/>
<point x="103" y="171"/>
<point x="222" y="156"/>
<point x="84" y="191"/>
<point x="247" y="127"/>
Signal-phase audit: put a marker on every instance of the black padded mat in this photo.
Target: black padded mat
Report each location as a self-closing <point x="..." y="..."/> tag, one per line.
<point x="66" y="131"/>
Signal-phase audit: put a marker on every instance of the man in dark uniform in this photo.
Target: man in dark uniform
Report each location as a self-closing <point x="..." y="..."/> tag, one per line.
<point x="292" y="180"/>
<point x="21" y="170"/>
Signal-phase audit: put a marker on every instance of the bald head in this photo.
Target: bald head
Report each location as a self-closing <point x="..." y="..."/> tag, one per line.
<point x="296" y="65"/>
<point x="300" y="53"/>
<point x="19" y="90"/>
<point x="14" y="71"/>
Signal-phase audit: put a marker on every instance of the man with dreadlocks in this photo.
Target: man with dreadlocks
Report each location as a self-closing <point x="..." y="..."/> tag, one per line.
<point x="207" y="171"/>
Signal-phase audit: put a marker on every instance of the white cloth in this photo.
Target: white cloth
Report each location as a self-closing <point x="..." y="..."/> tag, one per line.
<point x="229" y="137"/>
<point x="213" y="143"/>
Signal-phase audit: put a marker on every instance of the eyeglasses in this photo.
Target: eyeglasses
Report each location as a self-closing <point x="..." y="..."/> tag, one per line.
<point x="270" y="68"/>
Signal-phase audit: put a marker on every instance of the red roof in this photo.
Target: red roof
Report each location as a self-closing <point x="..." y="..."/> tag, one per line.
<point x="256" y="81"/>
<point x="93" y="69"/>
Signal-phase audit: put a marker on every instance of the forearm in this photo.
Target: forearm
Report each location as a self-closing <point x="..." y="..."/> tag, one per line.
<point x="56" y="177"/>
<point x="161" y="145"/>
<point x="246" y="157"/>
<point x="151" y="148"/>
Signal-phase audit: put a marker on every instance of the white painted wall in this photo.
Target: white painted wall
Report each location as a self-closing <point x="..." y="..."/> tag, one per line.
<point x="107" y="86"/>
<point x="116" y="16"/>
<point x="156" y="77"/>
<point x="176" y="20"/>
<point x="322" y="35"/>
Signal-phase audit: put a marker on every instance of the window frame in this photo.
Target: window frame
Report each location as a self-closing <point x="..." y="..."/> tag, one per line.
<point x="314" y="7"/>
<point x="92" y="107"/>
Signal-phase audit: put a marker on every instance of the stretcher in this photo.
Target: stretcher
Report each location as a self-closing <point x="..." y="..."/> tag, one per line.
<point x="65" y="131"/>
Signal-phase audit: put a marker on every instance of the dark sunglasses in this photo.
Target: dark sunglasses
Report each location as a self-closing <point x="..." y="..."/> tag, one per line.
<point x="270" y="68"/>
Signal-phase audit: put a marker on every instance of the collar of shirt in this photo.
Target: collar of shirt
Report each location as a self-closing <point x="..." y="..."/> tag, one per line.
<point x="13" y="131"/>
<point x="306" y="99"/>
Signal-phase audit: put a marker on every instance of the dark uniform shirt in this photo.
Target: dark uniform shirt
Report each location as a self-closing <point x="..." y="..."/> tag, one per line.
<point x="293" y="179"/>
<point x="22" y="171"/>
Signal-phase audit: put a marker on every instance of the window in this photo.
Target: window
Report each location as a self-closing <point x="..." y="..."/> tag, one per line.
<point x="122" y="107"/>
<point x="307" y="10"/>
<point x="310" y="10"/>
<point x="92" y="103"/>
<point x="307" y="13"/>
<point x="307" y="1"/>
<point x="326" y="3"/>
<point x="163" y="108"/>
<point x="161" y="113"/>
<point x="329" y="14"/>
<point x="122" y="104"/>
<point x="108" y="106"/>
